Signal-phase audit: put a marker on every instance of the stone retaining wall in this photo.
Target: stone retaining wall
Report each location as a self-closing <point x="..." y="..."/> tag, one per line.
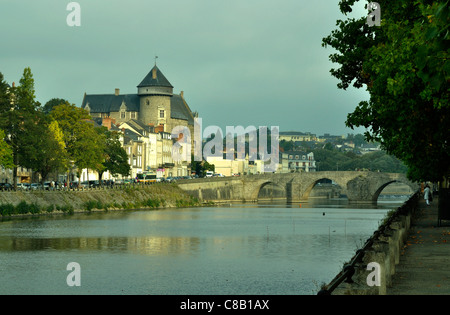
<point x="383" y="248"/>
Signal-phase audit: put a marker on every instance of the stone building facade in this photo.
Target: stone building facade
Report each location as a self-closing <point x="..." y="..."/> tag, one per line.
<point x="146" y="120"/>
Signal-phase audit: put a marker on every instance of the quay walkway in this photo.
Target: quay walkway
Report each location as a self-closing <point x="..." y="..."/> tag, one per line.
<point x="424" y="265"/>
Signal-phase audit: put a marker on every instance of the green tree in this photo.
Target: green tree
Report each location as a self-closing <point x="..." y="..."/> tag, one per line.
<point x="201" y="167"/>
<point x="287" y="145"/>
<point x="18" y="109"/>
<point x="83" y="144"/>
<point x="43" y="150"/>
<point x="48" y="107"/>
<point x="6" y="153"/>
<point x="405" y="67"/>
<point x="115" y="158"/>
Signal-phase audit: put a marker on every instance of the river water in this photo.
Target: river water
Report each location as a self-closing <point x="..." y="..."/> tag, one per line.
<point x="257" y="249"/>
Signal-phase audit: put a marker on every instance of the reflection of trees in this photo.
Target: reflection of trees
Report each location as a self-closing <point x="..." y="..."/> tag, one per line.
<point x="145" y="245"/>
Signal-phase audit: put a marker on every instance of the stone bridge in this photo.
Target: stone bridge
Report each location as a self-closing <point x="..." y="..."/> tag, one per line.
<point x="358" y="186"/>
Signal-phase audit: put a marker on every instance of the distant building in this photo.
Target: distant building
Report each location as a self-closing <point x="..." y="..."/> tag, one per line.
<point x="369" y="147"/>
<point x="297" y="161"/>
<point x="296" y="136"/>
<point x="332" y="138"/>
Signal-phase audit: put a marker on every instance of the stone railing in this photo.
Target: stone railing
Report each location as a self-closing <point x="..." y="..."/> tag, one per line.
<point x="382" y="250"/>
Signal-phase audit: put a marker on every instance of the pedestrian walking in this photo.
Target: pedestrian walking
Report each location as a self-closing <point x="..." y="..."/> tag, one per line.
<point x="427" y="194"/>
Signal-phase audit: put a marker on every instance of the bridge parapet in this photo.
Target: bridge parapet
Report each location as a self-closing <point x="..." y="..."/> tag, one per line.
<point x="358" y="186"/>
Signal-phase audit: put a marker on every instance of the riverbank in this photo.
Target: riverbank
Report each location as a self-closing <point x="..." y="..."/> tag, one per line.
<point x="381" y="251"/>
<point x="22" y="203"/>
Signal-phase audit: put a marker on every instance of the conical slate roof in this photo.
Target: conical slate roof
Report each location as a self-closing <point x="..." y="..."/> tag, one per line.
<point x="151" y="80"/>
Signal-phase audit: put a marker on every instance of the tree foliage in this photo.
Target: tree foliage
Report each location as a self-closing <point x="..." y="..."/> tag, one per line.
<point x="404" y="66"/>
<point x="83" y="144"/>
<point x="43" y="150"/>
<point x="48" y="107"/>
<point x="115" y="158"/>
<point x="6" y="153"/>
<point x="18" y="111"/>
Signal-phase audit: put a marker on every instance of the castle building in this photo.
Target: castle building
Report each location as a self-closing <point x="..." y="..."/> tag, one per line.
<point x="155" y="104"/>
<point x="146" y="120"/>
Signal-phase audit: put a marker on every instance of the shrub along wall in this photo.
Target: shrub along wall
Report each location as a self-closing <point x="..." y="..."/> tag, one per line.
<point x="129" y="197"/>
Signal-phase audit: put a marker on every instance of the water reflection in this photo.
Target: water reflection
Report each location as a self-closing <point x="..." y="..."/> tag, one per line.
<point x="232" y="249"/>
<point x="137" y="245"/>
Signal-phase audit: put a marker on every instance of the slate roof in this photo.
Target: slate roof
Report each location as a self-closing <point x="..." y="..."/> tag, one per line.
<point x="180" y="109"/>
<point x="106" y="103"/>
<point x="159" y="81"/>
<point x="139" y="127"/>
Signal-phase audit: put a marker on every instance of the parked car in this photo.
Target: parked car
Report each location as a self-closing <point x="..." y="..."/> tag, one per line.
<point x="35" y="186"/>
<point x="23" y="186"/>
<point x="84" y="184"/>
<point x="93" y="183"/>
<point x="6" y="186"/>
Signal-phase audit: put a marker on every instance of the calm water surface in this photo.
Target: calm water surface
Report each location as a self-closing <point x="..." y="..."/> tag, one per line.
<point x="236" y="249"/>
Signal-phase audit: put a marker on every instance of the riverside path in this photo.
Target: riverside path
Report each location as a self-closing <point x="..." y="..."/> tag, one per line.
<point x="424" y="266"/>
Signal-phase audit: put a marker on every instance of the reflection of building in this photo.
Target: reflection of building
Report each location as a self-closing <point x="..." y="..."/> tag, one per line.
<point x="297" y="161"/>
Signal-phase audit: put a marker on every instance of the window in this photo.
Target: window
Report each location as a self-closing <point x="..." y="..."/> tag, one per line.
<point x="161" y="113"/>
<point x="147" y="102"/>
<point x="133" y="115"/>
<point x="122" y="115"/>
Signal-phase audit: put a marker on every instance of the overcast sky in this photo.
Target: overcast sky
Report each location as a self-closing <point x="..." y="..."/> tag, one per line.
<point x="239" y="62"/>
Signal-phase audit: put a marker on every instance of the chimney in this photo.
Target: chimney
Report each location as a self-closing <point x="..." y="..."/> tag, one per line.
<point x="159" y="128"/>
<point x="154" y="73"/>
<point x="182" y="94"/>
<point x="117" y="92"/>
<point x="107" y="122"/>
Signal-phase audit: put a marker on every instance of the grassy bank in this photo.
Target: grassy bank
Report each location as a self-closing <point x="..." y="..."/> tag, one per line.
<point x="130" y="197"/>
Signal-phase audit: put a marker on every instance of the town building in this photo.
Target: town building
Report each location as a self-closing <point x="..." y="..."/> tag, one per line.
<point x="297" y="136"/>
<point x="146" y="120"/>
<point x="297" y="161"/>
<point x="154" y="104"/>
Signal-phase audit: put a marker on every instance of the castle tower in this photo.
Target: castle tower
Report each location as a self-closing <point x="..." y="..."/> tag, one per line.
<point x="155" y="93"/>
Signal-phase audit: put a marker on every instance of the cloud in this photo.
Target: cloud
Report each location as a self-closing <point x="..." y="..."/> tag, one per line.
<point x="243" y="62"/>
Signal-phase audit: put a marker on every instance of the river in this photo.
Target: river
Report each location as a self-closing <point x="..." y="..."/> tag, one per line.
<point x="254" y="249"/>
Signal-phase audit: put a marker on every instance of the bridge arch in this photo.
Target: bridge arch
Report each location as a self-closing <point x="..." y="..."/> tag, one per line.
<point x="271" y="190"/>
<point x="259" y="187"/>
<point x="383" y="186"/>
<point x="310" y="186"/>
